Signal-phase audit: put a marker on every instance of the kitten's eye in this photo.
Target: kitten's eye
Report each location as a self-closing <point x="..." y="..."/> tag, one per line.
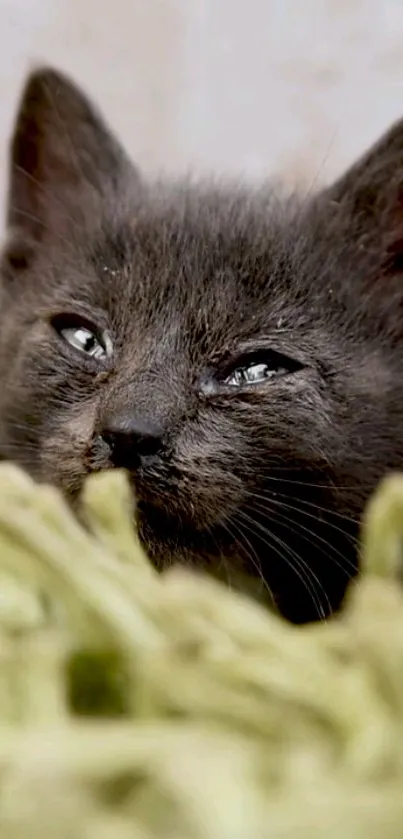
<point x="250" y="375"/>
<point x="83" y="338"/>
<point x="259" y="367"/>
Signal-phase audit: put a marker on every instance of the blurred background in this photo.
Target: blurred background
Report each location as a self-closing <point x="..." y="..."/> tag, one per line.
<point x="227" y="86"/>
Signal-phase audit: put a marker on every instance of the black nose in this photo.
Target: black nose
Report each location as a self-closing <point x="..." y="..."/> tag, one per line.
<point x="131" y="442"/>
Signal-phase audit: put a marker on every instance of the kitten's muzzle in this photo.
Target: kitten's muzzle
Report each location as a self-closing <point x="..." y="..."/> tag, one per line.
<point x="132" y="442"/>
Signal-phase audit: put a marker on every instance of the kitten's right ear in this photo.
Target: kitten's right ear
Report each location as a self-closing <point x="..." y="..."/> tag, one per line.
<point x="369" y="197"/>
<point x="63" y="159"/>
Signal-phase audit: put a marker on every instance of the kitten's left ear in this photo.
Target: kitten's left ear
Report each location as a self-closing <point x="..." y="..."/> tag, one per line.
<point x="63" y="159"/>
<point x="370" y="196"/>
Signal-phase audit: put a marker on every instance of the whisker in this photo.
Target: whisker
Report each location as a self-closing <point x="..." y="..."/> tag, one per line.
<point x="252" y="556"/>
<point x="321" y="166"/>
<point x="45" y="191"/>
<point x="284" y="505"/>
<point x="222" y="559"/>
<point x="274" y="494"/>
<point x="32" y="217"/>
<point x="343" y="563"/>
<point x="64" y="129"/>
<point x="269" y="470"/>
<point x="301" y="569"/>
<point x="329" y="524"/>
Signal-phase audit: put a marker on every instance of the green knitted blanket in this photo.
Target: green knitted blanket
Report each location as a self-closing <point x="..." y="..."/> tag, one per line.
<point x="142" y="706"/>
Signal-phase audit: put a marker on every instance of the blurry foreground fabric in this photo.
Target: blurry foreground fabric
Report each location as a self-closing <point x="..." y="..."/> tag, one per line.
<point x="140" y="706"/>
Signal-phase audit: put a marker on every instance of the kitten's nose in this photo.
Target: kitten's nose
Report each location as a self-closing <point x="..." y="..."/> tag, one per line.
<point x="131" y="442"/>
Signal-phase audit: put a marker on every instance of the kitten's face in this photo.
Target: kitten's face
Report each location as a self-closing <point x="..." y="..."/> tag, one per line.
<point x="236" y="353"/>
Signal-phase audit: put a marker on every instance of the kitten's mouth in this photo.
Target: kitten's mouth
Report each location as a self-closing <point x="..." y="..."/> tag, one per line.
<point x="168" y="537"/>
<point x="168" y="540"/>
<point x="168" y="501"/>
<point x="173" y="521"/>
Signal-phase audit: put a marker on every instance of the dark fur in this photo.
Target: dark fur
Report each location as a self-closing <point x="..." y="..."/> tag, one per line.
<point x="273" y="478"/>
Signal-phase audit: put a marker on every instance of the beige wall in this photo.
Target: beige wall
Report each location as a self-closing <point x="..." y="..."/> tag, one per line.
<point x="256" y="86"/>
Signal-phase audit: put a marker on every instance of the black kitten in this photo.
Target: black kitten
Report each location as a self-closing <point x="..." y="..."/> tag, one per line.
<point x="239" y="353"/>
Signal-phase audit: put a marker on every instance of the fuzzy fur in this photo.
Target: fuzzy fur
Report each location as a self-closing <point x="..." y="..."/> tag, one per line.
<point x="270" y="478"/>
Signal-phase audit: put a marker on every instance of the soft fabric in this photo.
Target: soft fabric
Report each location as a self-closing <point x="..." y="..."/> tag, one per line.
<point x="135" y="705"/>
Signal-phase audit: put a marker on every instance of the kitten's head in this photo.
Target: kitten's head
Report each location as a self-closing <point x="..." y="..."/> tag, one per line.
<point x="239" y="353"/>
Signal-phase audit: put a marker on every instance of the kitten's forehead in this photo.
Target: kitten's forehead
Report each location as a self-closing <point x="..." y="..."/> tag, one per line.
<point x="210" y="263"/>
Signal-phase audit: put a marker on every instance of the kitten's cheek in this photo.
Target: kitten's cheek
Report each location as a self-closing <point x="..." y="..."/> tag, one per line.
<point x="97" y="455"/>
<point x="62" y="466"/>
<point x="208" y="497"/>
<point x="65" y="451"/>
<point x="79" y="426"/>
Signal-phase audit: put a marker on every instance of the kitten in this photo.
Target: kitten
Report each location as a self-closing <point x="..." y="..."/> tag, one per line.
<point x="240" y="353"/>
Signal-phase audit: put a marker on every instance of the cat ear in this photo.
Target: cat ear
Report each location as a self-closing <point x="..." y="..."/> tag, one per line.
<point x="370" y="197"/>
<point x="63" y="158"/>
